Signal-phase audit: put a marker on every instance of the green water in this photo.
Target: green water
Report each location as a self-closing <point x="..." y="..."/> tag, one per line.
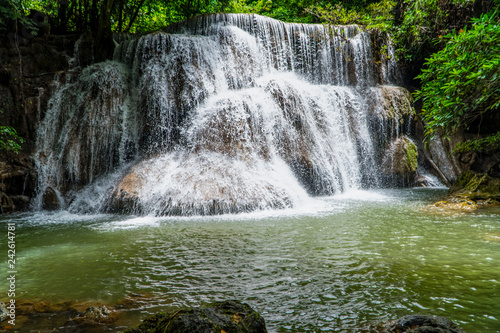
<point x="340" y="265"/>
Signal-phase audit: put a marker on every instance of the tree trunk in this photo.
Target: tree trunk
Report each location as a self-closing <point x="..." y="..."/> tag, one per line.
<point x="104" y="44"/>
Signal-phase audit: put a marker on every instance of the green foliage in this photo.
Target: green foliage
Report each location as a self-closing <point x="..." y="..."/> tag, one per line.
<point x="419" y="23"/>
<point x="336" y="14"/>
<point x="9" y="139"/>
<point x="462" y="81"/>
<point x="485" y="145"/>
<point x="373" y="15"/>
<point x="13" y="10"/>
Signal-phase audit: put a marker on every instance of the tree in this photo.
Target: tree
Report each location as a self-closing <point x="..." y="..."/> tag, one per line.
<point x="462" y="82"/>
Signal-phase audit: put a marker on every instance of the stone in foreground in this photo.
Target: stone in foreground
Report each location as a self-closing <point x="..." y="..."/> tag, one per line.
<point x="218" y="317"/>
<point x="421" y="324"/>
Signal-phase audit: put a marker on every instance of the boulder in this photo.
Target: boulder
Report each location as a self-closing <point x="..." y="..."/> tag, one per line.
<point x="421" y="324"/>
<point x="400" y="161"/>
<point x="6" y="203"/>
<point x="477" y="186"/>
<point x="218" y="317"/>
<point x="4" y="313"/>
<point x="50" y="199"/>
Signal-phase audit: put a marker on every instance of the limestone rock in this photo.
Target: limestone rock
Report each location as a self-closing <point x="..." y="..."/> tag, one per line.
<point x="227" y="316"/>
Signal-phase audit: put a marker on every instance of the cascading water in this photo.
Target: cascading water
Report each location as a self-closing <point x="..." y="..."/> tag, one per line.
<point x="224" y="113"/>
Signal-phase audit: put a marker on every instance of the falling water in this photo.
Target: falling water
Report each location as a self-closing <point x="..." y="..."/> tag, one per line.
<point x="224" y="113"/>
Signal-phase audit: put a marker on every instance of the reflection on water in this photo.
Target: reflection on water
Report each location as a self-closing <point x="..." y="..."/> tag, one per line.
<point x="341" y="263"/>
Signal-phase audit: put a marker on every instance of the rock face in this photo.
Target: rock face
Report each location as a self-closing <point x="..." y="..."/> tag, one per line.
<point x="227" y="316"/>
<point x="421" y="324"/>
<point x="17" y="183"/>
<point x="477" y="186"/>
<point x="26" y="84"/>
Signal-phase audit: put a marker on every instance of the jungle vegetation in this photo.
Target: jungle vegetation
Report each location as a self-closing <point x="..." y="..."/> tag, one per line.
<point x="451" y="47"/>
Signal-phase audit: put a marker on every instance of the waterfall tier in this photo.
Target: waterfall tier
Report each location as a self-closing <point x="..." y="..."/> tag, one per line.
<point x="226" y="113"/>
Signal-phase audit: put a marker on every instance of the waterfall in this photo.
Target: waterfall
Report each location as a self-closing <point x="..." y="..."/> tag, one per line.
<point x="224" y="113"/>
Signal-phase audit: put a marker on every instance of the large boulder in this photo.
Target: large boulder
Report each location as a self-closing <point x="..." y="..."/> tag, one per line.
<point x="400" y="161"/>
<point x="227" y="316"/>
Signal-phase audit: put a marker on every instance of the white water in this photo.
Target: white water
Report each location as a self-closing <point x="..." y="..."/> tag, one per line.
<point x="232" y="113"/>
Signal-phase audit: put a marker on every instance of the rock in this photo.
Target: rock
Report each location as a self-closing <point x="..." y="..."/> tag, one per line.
<point x="6" y="203"/>
<point x="21" y="202"/>
<point x="422" y="181"/>
<point x="50" y="199"/>
<point x="4" y="313"/>
<point x="218" y="317"/>
<point x="94" y="319"/>
<point x="476" y="186"/>
<point x="421" y="324"/>
<point x="455" y="204"/>
<point x="400" y="161"/>
<point x="397" y="104"/>
<point x="93" y="314"/>
<point x="192" y="184"/>
<point x="16" y="183"/>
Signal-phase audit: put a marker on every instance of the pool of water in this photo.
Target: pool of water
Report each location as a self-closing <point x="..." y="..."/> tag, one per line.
<point x="339" y="264"/>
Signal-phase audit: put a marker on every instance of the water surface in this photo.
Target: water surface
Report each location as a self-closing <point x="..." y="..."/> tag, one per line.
<point x="338" y="265"/>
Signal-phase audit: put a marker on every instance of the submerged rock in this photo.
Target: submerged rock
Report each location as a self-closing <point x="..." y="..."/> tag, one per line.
<point x="421" y="324"/>
<point x="218" y="317"/>
<point x="95" y="318"/>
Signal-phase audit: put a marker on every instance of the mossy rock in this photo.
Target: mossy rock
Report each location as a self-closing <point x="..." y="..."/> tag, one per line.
<point x="218" y="317"/>
<point x="477" y="186"/>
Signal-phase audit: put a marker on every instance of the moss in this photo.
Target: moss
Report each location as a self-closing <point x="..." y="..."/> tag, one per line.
<point x="485" y="145"/>
<point x="411" y="154"/>
<point x="477" y="186"/>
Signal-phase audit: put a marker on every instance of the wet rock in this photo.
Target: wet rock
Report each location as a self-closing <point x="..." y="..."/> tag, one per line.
<point x="477" y="186"/>
<point x="397" y="104"/>
<point x="4" y="313"/>
<point x="16" y="183"/>
<point x="422" y="181"/>
<point x="400" y="161"/>
<point x="174" y="185"/>
<point x="6" y="203"/>
<point x="455" y="204"/>
<point x="227" y="316"/>
<point x="93" y="315"/>
<point x="421" y="324"/>
<point x="21" y="202"/>
<point x="50" y="199"/>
